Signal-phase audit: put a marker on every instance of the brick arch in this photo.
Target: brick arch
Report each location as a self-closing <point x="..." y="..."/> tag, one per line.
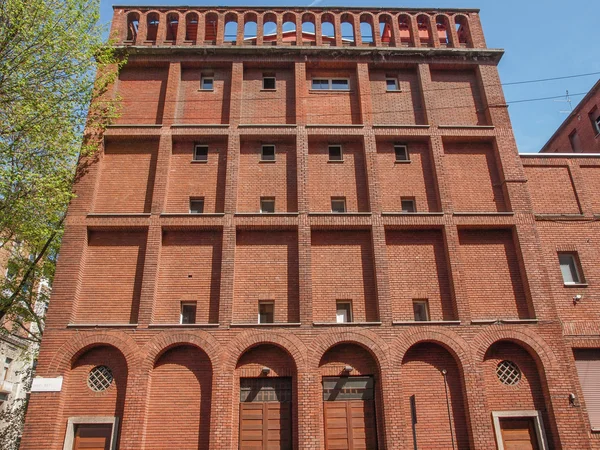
<point x="165" y="341"/>
<point x="364" y="338"/>
<point x="248" y="339"/>
<point x="449" y="340"/>
<point x="82" y="342"/>
<point x="533" y="343"/>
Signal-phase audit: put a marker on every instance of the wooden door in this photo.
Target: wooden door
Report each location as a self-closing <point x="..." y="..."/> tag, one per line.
<point x="519" y="434"/>
<point x="350" y="425"/>
<point x="92" y="437"/>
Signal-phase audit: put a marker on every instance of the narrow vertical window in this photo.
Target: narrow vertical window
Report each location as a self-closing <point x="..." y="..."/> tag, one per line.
<point x="266" y="312"/>
<point x="594" y="116"/>
<point x="569" y="267"/>
<point x="196" y="205"/>
<point x="575" y="142"/>
<point x="335" y="153"/>
<point x="338" y="204"/>
<point x="267" y="205"/>
<point x="343" y="311"/>
<point x="401" y="152"/>
<point x="188" y="313"/>
<point x="201" y="153"/>
<point x="408" y="205"/>
<point x="267" y="153"/>
<point x="421" y="310"/>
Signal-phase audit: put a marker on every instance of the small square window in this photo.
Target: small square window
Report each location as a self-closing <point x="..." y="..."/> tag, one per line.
<point x="338" y="204"/>
<point x="267" y="153"/>
<point x="266" y="312"/>
<point x="188" y="313"/>
<point x="269" y="83"/>
<point x="408" y="205"/>
<point x="391" y="84"/>
<point x="267" y="205"/>
<point x="343" y="312"/>
<point x="320" y="84"/>
<point x="569" y="267"/>
<point x="401" y="152"/>
<point x="335" y="153"/>
<point x="421" y="310"/>
<point x="196" y="205"/>
<point x="207" y="83"/>
<point x="340" y="85"/>
<point x="201" y="153"/>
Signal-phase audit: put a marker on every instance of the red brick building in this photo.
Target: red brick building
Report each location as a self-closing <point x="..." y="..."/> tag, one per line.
<point x="580" y="132"/>
<point x="320" y="238"/>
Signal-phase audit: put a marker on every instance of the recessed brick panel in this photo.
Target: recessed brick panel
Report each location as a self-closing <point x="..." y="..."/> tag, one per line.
<point x="404" y="106"/>
<point x="268" y="107"/>
<point x="204" y="107"/>
<point x="331" y="107"/>
<point x="551" y="190"/>
<point x="591" y="176"/>
<point x="456" y="98"/>
<point x="142" y="93"/>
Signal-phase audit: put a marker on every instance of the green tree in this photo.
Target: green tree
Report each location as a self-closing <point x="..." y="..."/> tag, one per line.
<point x="53" y="66"/>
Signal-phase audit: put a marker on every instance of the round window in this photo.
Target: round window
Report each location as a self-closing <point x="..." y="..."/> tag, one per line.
<point x="100" y="378"/>
<point x="508" y="373"/>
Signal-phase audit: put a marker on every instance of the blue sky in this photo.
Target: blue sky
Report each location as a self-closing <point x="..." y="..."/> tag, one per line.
<point x="542" y="39"/>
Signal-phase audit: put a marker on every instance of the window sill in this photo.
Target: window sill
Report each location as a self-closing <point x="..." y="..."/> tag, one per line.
<point x="102" y="325"/>
<point x="335" y="161"/>
<point x="395" y="91"/>
<point x="183" y="325"/>
<point x="346" y="324"/>
<point x="408" y="161"/>
<point x="262" y="325"/>
<point x="268" y="90"/>
<point x="426" y="322"/>
<point x="575" y="285"/>
<point x="267" y="161"/>
<point x="197" y="161"/>
<point x="206" y="90"/>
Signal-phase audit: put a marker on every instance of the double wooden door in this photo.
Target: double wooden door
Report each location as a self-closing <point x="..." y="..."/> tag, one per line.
<point x="519" y="434"/>
<point x="92" y="437"/>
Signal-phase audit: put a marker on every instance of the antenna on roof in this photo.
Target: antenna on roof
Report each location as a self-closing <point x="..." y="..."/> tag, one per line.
<point x="566" y="100"/>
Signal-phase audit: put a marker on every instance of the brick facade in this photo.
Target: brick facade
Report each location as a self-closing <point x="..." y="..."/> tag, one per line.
<point x="482" y="248"/>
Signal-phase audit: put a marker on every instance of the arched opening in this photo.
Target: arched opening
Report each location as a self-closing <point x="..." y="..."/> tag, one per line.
<point x="289" y="29"/>
<point x="133" y="23"/>
<point x="210" y="28"/>
<point x="96" y="386"/>
<point x="366" y="30"/>
<point x="351" y="397"/>
<point x="270" y="29"/>
<point x="441" y="24"/>
<point x="191" y="27"/>
<point x="231" y="26"/>
<point x="386" y="30"/>
<point x="172" y="26"/>
<point x="347" y="29"/>
<point x="309" y="36"/>
<point x="423" y="24"/>
<point x="180" y="390"/>
<point x="405" y="30"/>
<point x="463" y="31"/>
<point x="152" y="27"/>
<point x="250" y="29"/>
<point x="267" y="395"/>
<point x="515" y="393"/>
<point x="432" y="389"/>
<point x="327" y="29"/>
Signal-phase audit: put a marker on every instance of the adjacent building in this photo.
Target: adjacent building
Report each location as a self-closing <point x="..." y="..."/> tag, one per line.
<point x="310" y="228"/>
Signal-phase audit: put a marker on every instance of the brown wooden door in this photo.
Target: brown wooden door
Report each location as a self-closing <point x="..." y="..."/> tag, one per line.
<point x="350" y="425"/>
<point x="519" y="434"/>
<point x="266" y="426"/>
<point x="92" y="437"/>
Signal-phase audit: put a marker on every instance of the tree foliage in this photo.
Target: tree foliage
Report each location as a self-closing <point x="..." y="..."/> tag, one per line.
<point x="53" y="65"/>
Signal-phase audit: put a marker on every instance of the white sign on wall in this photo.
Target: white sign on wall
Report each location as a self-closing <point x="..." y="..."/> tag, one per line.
<point x="47" y="384"/>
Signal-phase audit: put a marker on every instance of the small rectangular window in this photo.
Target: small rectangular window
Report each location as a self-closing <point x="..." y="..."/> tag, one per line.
<point x="338" y="204"/>
<point x="320" y="84"/>
<point x="335" y="153"/>
<point x="408" y="205"/>
<point x="401" y="152"/>
<point x="340" y="85"/>
<point x="391" y="84"/>
<point x="207" y="83"/>
<point x="196" y="205"/>
<point x="266" y="312"/>
<point x="269" y="83"/>
<point x="421" y="310"/>
<point x="267" y="205"/>
<point x="575" y="142"/>
<point x="569" y="267"/>
<point x="188" y="312"/>
<point x="201" y="153"/>
<point x="267" y="153"/>
<point x="343" y="311"/>
<point x="594" y="115"/>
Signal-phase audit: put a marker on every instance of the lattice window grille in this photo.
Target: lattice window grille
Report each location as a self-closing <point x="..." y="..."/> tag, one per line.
<point x="100" y="378"/>
<point x="508" y="373"/>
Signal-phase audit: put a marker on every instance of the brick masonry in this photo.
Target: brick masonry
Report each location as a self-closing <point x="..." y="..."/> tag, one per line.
<point x="482" y="247"/>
